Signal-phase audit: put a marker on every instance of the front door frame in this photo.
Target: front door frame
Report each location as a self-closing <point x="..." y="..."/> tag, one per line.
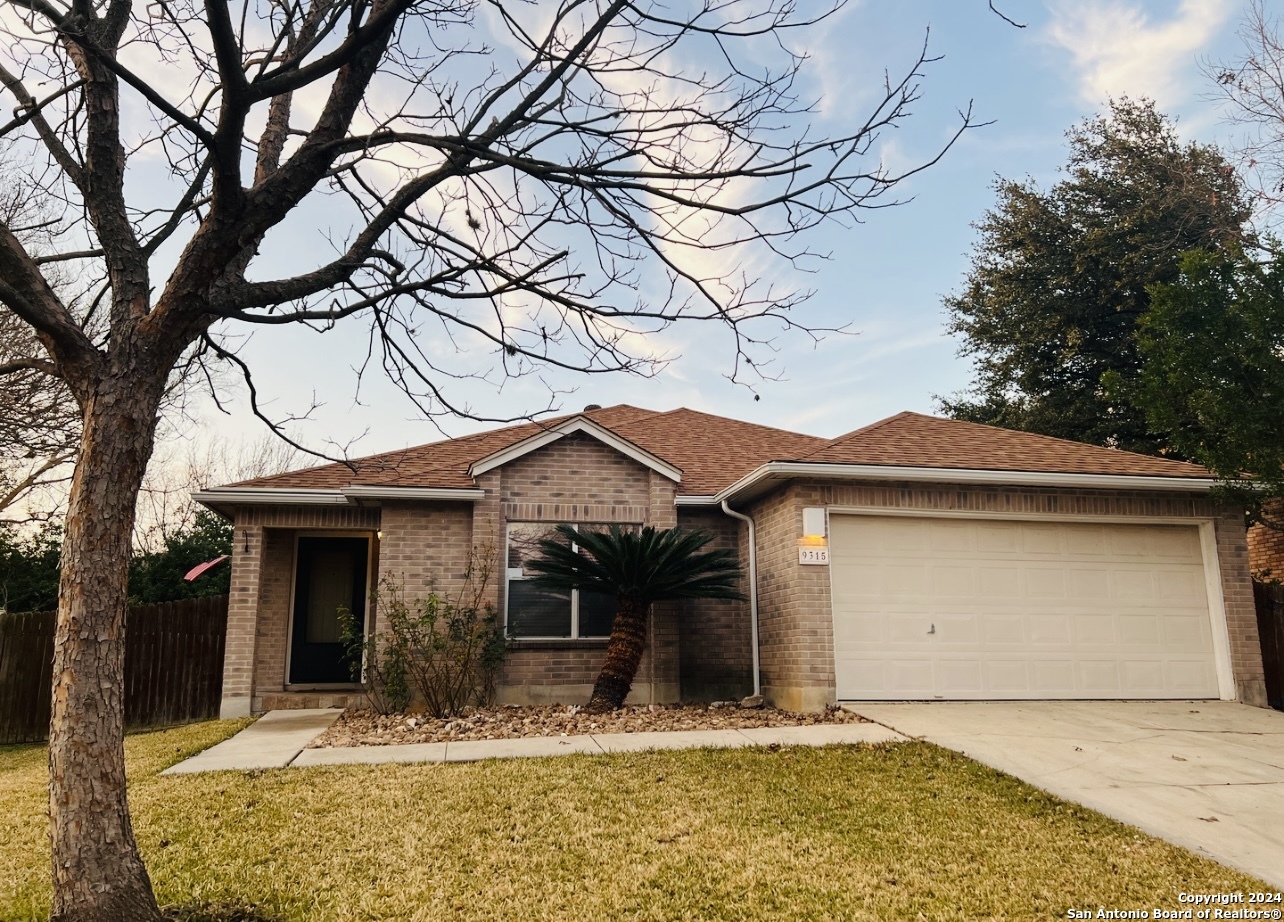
<point x="372" y="536"/>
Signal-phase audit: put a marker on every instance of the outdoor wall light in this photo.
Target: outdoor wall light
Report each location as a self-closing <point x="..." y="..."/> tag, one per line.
<point x="814" y="527"/>
<point x="379" y="534"/>
<point x="245" y="537"/>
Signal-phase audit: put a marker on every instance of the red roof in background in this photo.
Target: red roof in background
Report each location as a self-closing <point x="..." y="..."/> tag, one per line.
<point x="714" y="451"/>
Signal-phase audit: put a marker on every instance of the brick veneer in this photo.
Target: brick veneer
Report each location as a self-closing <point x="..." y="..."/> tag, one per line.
<point x="696" y="650"/>
<point x="1266" y="547"/>
<point x="714" y="635"/>
<point x="258" y="609"/>
<point x="795" y="619"/>
<point x="577" y="479"/>
<point x="426" y="546"/>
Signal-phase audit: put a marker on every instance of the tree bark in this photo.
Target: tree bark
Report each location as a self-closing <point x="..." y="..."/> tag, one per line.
<point x="97" y="872"/>
<point x="623" y="655"/>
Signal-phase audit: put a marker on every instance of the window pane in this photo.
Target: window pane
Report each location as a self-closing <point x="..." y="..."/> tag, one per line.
<point x="597" y="614"/>
<point x="536" y="612"/>
<point x="523" y="542"/>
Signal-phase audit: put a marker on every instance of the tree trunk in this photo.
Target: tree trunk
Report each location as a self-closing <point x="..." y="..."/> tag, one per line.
<point x="97" y="872"/>
<point x="623" y="654"/>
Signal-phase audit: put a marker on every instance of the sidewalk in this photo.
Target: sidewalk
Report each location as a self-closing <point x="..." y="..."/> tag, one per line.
<point x="279" y="739"/>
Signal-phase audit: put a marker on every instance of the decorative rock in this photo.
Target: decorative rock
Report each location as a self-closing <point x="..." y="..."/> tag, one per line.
<point x="753" y="701"/>
<point x="365" y="728"/>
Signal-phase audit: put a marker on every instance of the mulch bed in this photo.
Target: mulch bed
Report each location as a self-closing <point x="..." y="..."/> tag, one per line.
<point x="367" y="728"/>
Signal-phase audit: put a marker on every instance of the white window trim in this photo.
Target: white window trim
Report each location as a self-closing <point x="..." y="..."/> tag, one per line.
<point x="575" y="593"/>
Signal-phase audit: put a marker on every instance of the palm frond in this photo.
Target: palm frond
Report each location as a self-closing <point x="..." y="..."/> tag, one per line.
<point x="648" y="565"/>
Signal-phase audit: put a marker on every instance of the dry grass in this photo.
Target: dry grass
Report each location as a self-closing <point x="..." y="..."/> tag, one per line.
<point x="892" y="832"/>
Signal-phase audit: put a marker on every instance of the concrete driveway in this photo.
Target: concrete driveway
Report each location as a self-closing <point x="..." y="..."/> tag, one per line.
<point x="1207" y="775"/>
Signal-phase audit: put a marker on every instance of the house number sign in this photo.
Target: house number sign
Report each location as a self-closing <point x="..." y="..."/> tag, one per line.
<point x="813" y="555"/>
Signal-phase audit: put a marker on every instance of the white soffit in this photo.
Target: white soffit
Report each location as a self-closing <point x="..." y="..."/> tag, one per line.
<point x="570" y="426"/>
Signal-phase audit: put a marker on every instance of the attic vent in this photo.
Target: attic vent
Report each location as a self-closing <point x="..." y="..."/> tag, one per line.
<point x="593" y="406"/>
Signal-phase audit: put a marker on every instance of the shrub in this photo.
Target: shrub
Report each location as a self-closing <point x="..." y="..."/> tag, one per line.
<point x="443" y="653"/>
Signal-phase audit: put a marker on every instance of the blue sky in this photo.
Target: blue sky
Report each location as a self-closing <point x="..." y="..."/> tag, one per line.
<point x="887" y="276"/>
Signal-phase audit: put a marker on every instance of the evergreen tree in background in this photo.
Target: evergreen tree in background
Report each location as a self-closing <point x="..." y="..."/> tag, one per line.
<point x="29" y="566"/>
<point x="158" y="577"/>
<point x="1060" y="279"/>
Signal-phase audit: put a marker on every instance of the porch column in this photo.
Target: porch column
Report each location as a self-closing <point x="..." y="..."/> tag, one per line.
<point x="242" y="617"/>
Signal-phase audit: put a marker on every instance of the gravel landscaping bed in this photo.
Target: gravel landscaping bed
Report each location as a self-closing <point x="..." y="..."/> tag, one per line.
<point x="366" y="728"/>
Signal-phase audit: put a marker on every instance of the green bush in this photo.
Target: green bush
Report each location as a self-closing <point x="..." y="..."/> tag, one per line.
<point x="441" y="653"/>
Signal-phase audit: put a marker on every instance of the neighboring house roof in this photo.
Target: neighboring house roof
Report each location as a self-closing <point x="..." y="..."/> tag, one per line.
<point x="712" y="453"/>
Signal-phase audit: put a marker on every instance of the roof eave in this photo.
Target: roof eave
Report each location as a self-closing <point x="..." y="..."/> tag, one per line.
<point x="762" y="479"/>
<point x="220" y="499"/>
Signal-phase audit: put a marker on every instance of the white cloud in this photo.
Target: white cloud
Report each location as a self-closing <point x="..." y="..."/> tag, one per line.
<point x="1117" y="49"/>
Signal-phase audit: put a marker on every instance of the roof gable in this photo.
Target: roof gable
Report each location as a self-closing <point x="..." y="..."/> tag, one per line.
<point x="581" y="424"/>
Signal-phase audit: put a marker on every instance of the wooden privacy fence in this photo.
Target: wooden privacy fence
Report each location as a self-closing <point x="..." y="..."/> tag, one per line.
<point x="1269" y="598"/>
<point x="173" y="666"/>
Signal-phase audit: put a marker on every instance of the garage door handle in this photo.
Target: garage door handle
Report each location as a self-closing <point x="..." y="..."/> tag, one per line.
<point x="933" y="629"/>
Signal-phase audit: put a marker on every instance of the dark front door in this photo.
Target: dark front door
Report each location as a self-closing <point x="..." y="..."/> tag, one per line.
<point x="330" y="574"/>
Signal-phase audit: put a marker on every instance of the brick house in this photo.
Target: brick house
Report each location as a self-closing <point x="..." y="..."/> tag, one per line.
<point x="915" y="558"/>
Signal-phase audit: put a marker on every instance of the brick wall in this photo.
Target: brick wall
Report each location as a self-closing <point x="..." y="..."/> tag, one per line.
<point x="425" y="548"/>
<point x="579" y="480"/>
<point x="258" y="610"/>
<point x="795" y="621"/>
<point x="275" y="584"/>
<point x="1266" y="547"/>
<point x="714" y="635"/>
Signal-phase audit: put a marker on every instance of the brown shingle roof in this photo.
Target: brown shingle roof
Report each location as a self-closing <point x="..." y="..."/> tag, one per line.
<point x="914" y="440"/>
<point x="713" y="451"/>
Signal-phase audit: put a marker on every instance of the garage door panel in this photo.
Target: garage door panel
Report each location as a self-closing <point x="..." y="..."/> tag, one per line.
<point x="1139" y="630"/>
<point x="1004" y="629"/>
<point x="989" y="608"/>
<point x="1008" y="675"/>
<point x="1100" y="677"/>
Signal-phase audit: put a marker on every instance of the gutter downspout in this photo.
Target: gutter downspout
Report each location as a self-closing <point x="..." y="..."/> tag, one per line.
<point x="753" y="592"/>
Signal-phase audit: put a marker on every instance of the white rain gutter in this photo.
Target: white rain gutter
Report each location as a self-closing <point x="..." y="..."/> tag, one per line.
<point x="753" y="592"/>
<point x="789" y="469"/>
<point x="343" y="496"/>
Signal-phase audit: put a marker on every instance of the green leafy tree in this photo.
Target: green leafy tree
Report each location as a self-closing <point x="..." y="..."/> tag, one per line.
<point x="158" y="576"/>
<point x="1213" y="372"/>
<point x="639" y="568"/>
<point x="29" y="569"/>
<point x="1059" y="279"/>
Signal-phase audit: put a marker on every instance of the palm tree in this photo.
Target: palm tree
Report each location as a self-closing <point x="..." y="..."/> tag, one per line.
<point x="638" y="568"/>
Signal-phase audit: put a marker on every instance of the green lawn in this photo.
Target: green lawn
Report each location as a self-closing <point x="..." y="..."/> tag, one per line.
<point x="894" y="832"/>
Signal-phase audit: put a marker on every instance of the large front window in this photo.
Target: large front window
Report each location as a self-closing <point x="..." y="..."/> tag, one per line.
<point x="536" y="612"/>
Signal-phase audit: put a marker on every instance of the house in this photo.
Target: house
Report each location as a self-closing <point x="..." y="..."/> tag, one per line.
<point x="915" y="558"/>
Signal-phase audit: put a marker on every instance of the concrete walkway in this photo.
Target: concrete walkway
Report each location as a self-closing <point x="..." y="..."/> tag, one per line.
<point x="278" y="739"/>
<point x="1207" y="775"/>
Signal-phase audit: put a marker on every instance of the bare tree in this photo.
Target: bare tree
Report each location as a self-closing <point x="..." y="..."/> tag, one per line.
<point x="39" y="421"/>
<point x="182" y="466"/>
<point x="1252" y="86"/>
<point x="602" y="171"/>
<point x="39" y="429"/>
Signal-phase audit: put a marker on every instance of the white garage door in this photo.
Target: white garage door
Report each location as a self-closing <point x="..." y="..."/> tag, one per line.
<point x="971" y="608"/>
